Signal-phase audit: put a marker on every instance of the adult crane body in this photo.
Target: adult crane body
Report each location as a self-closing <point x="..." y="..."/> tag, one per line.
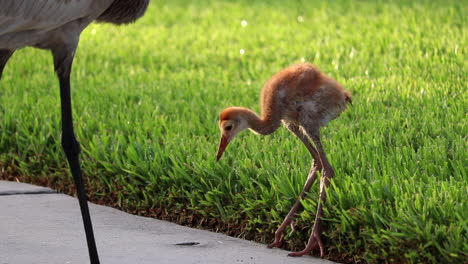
<point x="56" y="25"/>
<point x="49" y="23"/>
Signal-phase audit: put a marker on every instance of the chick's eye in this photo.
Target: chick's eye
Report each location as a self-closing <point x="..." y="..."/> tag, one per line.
<point x="228" y="128"/>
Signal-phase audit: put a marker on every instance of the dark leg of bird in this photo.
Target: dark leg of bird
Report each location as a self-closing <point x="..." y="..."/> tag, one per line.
<point x="63" y="61"/>
<point x="316" y="165"/>
<point x="4" y="57"/>
<point x="315" y="237"/>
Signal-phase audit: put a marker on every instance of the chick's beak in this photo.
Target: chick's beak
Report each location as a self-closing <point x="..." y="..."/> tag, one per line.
<point x="222" y="146"/>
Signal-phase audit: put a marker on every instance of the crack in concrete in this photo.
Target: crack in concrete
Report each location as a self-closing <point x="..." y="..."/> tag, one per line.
<point x="5" y="193"/>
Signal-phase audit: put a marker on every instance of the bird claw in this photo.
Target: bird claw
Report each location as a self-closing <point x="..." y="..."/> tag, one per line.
<point x="279" y="240"/>
<point x="276" y="243"/>
<point x="311" y="245"/>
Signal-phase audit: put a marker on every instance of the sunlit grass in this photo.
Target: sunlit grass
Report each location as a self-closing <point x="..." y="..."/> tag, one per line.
<point x="147" y="97"/>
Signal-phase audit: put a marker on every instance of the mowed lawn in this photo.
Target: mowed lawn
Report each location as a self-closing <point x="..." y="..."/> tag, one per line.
<point x="147" y="98"/>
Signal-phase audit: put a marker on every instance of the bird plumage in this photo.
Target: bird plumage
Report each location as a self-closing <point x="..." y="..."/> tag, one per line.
<point x="123" y="11"/>
<point x="301" y="93"/>
<point x="298" y="94"/>
<point x="40" y="23"/>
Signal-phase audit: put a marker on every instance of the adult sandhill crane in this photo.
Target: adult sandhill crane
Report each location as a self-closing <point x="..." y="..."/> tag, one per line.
<point x="303" y="99"/>
<point x="56" y="25"/>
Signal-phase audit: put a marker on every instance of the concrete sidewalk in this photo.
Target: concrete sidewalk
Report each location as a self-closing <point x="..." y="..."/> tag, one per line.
<point x="39" y="226"/>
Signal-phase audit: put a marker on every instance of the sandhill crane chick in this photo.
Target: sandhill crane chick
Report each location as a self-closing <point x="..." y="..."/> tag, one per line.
<point x="303" y="99"/>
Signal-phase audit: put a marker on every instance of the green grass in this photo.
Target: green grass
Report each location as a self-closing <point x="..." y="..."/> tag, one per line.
<point x="147" y="97"/>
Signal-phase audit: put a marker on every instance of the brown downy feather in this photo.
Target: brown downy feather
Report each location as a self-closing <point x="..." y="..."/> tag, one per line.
<point x="124" y="11"/>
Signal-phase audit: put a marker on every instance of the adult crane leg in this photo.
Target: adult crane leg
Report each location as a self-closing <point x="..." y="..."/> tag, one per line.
<point x="315" y="237"/>
<point x="316" y="166"/>
<point x="4" y="57"/>
<point x="63" y="59"/>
